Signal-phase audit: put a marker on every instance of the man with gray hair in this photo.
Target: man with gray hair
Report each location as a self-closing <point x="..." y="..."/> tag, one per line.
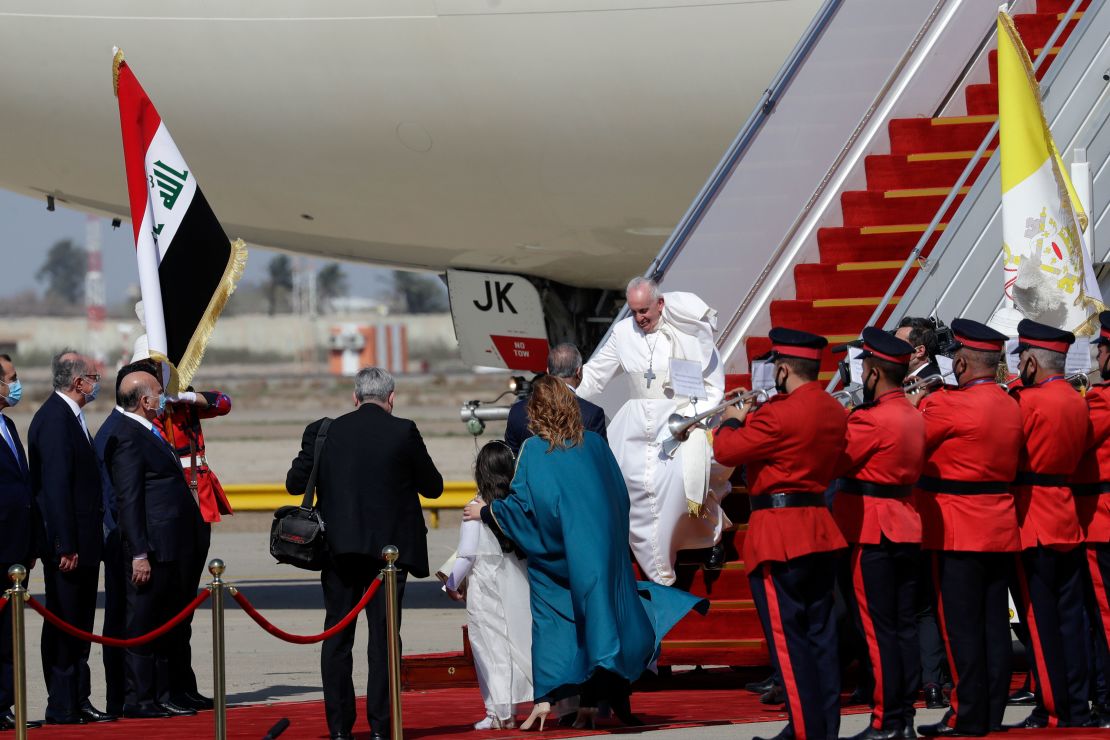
<point x="371" y="473"/>
<point x="65" y="480"/>
<point x="564" y="361"/>
<point x="672" y="506"/>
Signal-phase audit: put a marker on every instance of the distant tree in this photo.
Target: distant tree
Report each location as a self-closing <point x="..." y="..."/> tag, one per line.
<point x="419" y="292"/>
<point x="63" y="271"/>
<point x="280" y="283"/>
<point x="331" y="283"/>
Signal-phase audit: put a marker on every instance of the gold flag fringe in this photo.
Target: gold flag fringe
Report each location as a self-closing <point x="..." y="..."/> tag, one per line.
<point x="194" y="353"/>
<point x="116" y="61"/>
<point x="173" y="384"/>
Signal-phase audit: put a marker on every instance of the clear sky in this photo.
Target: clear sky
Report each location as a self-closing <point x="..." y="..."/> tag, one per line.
<point x="27" y="231"/>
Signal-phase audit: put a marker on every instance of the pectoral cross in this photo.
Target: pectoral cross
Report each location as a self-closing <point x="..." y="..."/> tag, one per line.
<point x="649" y="376"/>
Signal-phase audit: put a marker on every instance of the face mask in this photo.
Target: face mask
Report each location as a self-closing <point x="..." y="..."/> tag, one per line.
<point x="780" y="385"/>
<point x="1104" y="368"/>
<point x="959" y="367"/>
<point x="869" y="390"/>
<point x="91" y="395"/>
<point x="15" y="392"/>
<point x="161" y="403"/>
<point x="1028" y="374"/>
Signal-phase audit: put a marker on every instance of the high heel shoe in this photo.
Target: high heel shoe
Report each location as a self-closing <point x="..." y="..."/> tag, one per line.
<point x="540" y="710"/>
<point x="622" y="708"/>
<point x="586" y="718"/>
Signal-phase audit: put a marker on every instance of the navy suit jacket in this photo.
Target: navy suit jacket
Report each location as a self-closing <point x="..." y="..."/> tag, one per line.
<point x="516" y="430"/>
<point x="65" y="478"/>
<point x="100" y="443"/>
<point x="157" y="513"/>
<point x="19" y="518"/>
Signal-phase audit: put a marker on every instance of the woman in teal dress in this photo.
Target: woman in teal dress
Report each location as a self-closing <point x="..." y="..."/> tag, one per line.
<point x="594" y="627"/>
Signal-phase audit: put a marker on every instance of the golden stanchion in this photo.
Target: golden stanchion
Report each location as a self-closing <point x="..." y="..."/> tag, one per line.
<point x="17" y="595"/>
<point x="393" y="634"/>
<point x="219" y="677"/>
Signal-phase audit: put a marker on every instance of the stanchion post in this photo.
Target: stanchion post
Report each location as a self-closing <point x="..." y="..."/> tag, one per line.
<point x="219" y="677"/>
<point x="16" y="596"/>
<point x="393" y="634"/>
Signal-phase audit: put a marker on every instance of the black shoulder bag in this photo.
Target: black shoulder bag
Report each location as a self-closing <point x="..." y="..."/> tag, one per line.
<point x="297" y="532"/>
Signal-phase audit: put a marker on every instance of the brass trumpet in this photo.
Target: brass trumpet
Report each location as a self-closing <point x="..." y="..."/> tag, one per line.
<point x="680" y="426"/>
<point x="1080" y="381"/>
<point x="929" y="382"/>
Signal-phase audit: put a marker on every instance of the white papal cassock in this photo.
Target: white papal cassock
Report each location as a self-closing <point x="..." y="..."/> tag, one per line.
<point x="672" y="508"/>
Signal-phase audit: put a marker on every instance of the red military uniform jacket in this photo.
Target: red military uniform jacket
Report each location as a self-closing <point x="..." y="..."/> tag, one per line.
<point x="1057" y="430"/>
<point x="1093" y="508"/>
<point x="885" y="446"/>
<point x="790" y="444"/>
<point x="181" y="427"/>
<point x="972" y="435"/>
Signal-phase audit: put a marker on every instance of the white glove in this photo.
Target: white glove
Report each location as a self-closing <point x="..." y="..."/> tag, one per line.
<point x="183" y="397"/>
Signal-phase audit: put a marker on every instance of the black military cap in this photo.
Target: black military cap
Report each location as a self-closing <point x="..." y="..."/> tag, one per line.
<point x="795" y="343"/>
<point x="885" y="346"/>
<point x="1104" y="333"/>
<point x="1035" y="334"/>
<point x="974" y="335"/>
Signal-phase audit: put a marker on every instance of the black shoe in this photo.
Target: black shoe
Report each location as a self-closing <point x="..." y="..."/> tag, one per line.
<point x="934" y="697"/>
<point x="144" y="711"/>
<point x="715" y="560"/>
<point x="193" y="700"/>
<point x="760" y="687"/>
<point x="73" y="719"/>
<point x="349" y="736"/>
<point x="940" y="729"/>
<point x="786" y="734"/>
<point x="1032" y="722"/>
<point x="1021" y="698"/>
<point x="872" y="734"/>
<point x="908" y="733"/>
<point x="7" y="722"/>
<point x="92" y="714"/>
<point x="776" y="695"/>
<point x="1098" y="720"/>
<point x="176" y="710"/>
<point x="383" y="735"/>
<point x="622" y="710"/>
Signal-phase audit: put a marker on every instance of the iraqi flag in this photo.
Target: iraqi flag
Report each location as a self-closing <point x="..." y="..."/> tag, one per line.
<point x="187" y="266"/>
<point x="1048" y="276"/>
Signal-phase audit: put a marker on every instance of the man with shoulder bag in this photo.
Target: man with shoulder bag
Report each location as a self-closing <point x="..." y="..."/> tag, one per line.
<point x="372" y="470"/>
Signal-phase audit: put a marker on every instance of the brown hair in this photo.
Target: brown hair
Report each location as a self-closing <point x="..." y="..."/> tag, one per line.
<point x="553" y="413"/>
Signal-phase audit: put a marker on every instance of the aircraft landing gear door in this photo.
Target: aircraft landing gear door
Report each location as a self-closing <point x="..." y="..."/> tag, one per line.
<point x="498" y="320"/>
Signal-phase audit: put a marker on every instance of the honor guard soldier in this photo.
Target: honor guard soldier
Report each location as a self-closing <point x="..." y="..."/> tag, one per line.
<point x="1057" y="427"/>
<point x="1091" y="489"/>
<point x="874" y="508"/>
<point x="972" y="440"/>
<point x="791" y="446"/>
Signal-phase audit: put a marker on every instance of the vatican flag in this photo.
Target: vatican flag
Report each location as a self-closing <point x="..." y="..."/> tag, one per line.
<point x="1047" y="267"/>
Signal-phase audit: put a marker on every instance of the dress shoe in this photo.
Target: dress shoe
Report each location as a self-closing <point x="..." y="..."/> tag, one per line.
<point x="872" y="734"/>
<point x="7" y="722"/>
<point x="776" y="695"/>
<point x="940" y="729"/>
<point x="379" y="736"/>
<point x="760" y="687"/>
<point x="176" y="710"/>
<point x="1021" y="698"/>
<point x="92" y="714"/>
<point x="715" y="560"/>
<point x="934" y="697"/>
<point x="1032" y="722"/>
<point x="144" y="711"/>
<point x="908" y="733"/>
<point x="348" y="736"/>
<point x="73" y="719"/>
<point x="193" y="700"/>
<point x="1098" y="720"/>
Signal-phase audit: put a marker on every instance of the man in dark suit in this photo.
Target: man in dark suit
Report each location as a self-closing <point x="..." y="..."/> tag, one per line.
<point x="115" y="568"/>
<point x="20" y="522"/>
<point x="65" y="480"/>
<point x="372" y="470"/>
<point x="158" y="522"/>
<point x="564" y="361"/>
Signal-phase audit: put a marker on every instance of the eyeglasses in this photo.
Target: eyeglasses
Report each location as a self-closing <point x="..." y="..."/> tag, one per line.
<point x="94" y="377"/>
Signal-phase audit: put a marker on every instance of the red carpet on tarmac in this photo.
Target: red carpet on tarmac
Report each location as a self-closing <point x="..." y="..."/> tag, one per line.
<point x="449" y="713"/>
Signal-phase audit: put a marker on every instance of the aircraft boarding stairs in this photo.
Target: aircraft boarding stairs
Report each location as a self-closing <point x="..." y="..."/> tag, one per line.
<point x="850" y="229"/>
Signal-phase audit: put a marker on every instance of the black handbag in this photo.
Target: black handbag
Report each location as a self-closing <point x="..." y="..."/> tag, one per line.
<point x="297" y="532"/>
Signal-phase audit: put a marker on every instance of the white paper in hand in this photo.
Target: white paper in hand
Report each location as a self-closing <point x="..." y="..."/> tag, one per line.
<point x="686" y="379"/>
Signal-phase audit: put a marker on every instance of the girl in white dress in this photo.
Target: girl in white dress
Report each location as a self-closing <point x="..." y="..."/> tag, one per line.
<point x="499" y="617"/>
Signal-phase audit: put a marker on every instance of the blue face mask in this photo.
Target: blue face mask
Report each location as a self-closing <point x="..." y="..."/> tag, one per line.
<point x="161" y="403"/>
<point x="91" y="395"/>
<point x="15" y="392"/>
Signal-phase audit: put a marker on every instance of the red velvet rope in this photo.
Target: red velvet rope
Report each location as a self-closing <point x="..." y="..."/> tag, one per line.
<point x="81" y="634"/>
<point x="306" y="639"/>
<point x="3" y="602"/>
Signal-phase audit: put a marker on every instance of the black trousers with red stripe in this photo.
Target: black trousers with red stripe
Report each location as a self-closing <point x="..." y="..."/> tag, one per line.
<point x="1098" y="579"/>
<point x="973" y="613"/>
<point x="795" y="604"/>
<point x="1052" y="600"/>
<point x="883" y="599"/>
